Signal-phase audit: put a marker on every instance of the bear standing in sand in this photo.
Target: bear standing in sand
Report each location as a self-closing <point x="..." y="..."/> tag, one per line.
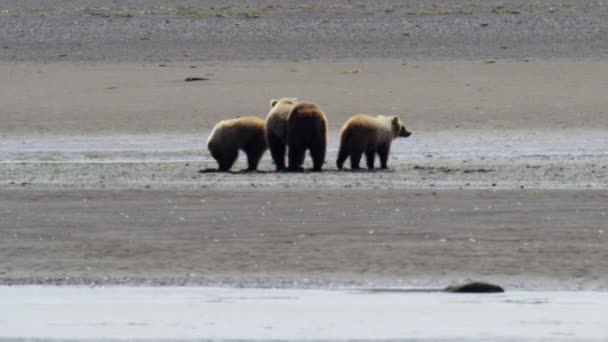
<point x="370" y="135"/>
<point x="299" y="126"/>
<point x="230" y="136"/>
<point x="307" y="130"/>
<point x="276" y="129"/>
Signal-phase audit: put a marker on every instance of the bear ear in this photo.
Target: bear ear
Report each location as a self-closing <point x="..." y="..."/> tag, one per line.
<point x="273" y="102"/>
<point x="395" y="120"/>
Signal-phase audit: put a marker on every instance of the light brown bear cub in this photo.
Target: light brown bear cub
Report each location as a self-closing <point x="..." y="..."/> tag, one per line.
<point x="276" y="129"/>
<point x="370" y="135"/>
<point x="306" y="130"/>
<point x="230" y="136"/>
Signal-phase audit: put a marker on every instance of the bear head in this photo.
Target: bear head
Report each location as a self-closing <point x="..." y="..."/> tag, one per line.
<point x="398" y="128"/>
<point x="287" y="100"/>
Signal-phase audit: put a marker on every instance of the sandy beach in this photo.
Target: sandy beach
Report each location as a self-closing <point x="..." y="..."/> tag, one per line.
<point x="102" y="143"/>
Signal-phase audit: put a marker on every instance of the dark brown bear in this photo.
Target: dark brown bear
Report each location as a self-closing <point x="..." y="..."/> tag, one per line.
<point x="306" y="130"/>
<point x="230" y="136"/>
<point x="370" y="135"/>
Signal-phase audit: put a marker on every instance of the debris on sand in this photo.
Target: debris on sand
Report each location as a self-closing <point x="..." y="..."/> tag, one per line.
<point x="193" y="79"/>
<point x="475" y="287"/>
<point x="477" y="170"/>
<point x="349" y="72"/>
<point x="208" y="170"/>
<point x="471" y="287"/>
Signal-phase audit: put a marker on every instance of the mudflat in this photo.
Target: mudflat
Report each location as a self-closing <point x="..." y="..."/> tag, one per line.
<point x="102" y="143"/>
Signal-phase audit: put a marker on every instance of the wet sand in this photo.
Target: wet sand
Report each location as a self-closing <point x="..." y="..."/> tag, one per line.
<point x="496" y="159"/>
<point x="519" y="239"/>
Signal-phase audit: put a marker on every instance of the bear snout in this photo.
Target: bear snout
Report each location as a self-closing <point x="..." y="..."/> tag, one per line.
<point x="404" y="132"/>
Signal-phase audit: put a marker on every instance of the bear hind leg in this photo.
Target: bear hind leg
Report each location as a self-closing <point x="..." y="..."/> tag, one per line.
<point x="370" y="156"/>
<point x="355" y="159"/>
<point x="253" y="159"/>
<point x="254" y="152"/>
<point x="277" y="150"/>
<point x="317" y="153"/>
<point x="296" y="158"/>
<point x="383" y="151"/>
<point x="227" y="160"/>
<point x="342" y="155"/>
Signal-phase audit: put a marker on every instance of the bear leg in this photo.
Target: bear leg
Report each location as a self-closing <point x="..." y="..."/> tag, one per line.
<point x="342" y="155"/>
<point x="355" y="158"/>
<point x="370" y="157"/>
<point x="253" y="158"/>
<point x="383" y="151"/>
<point x="227" y="160"/>
<point x="277" y="150"/>
<point x="317" y="153"/>
<point x="296" y="158"/>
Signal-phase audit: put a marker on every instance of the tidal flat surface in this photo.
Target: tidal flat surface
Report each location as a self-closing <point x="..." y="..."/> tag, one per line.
<point x="252" y="313"/>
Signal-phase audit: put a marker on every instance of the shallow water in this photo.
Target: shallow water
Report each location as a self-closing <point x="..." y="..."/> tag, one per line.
<point x="255" y="313"/>
<point x="458" y="144"/>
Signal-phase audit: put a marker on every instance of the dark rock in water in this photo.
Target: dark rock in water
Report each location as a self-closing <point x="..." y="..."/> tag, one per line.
<point x="474" y="287"/>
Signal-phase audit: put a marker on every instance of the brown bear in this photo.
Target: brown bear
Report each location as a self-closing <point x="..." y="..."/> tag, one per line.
<point x="230" y="136"/>
<point x="276" y="129"/>
<point x="306" y="130"/>
<point x="370" y="135"/>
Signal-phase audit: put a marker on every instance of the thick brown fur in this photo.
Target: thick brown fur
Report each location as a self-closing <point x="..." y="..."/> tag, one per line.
<point x="276" y="129"/>
<point x="307" y="130"/>
<point x="370" y="135"/>
<point x="230" y="136"/>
